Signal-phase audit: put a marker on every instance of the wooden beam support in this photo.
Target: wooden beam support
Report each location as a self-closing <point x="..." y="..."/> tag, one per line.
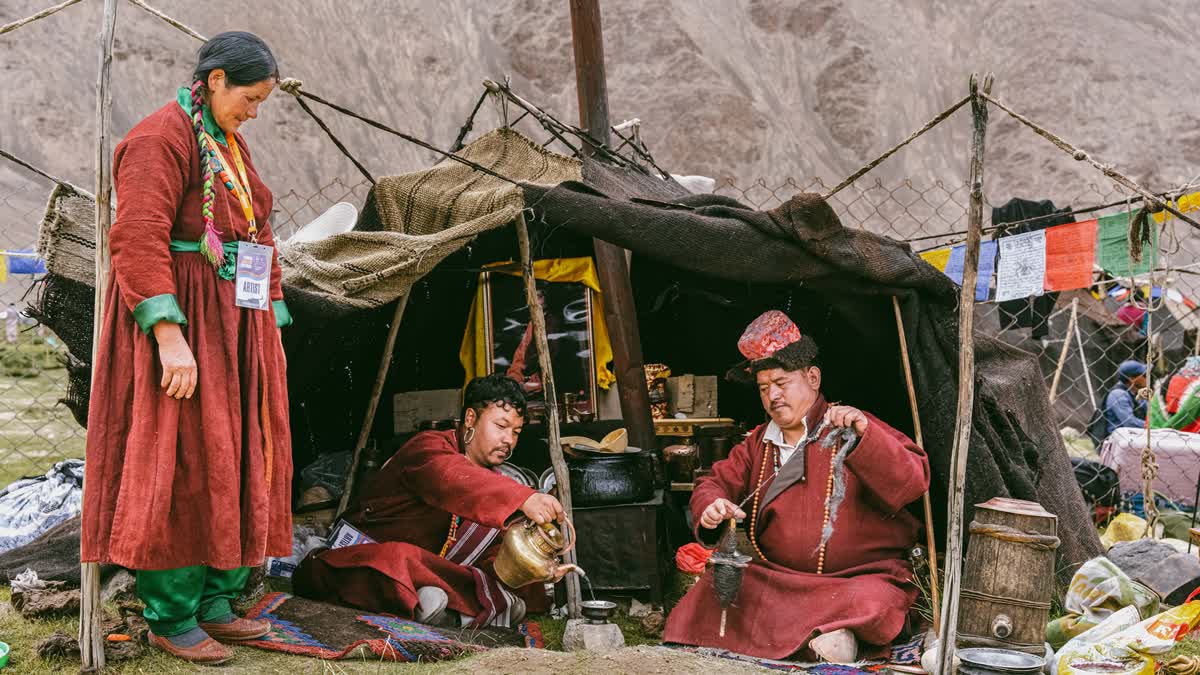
<point x="948" y="633"/>
<point x="918" y="437"/>
<point x="612" y="267"/>
<point x="561" y="476"/>
<point x="91" y="641"/>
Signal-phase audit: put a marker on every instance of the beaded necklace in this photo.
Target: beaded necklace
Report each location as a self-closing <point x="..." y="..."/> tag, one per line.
<point x="772" y="454"/>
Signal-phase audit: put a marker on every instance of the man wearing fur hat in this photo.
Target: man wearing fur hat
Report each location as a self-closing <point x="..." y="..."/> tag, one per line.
<point x="822" y="491"/>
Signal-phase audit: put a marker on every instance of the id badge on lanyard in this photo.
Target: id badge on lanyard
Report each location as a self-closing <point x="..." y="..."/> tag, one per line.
<point x="252" y="280"/>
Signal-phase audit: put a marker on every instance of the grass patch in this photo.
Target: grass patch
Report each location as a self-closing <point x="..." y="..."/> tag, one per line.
<point x="28" y="357"/>
<point x="23" y="637"/>
<point x="35" y="429"/>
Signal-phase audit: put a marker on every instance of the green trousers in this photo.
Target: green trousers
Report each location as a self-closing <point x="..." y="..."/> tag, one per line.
<point x="177" y="600"/>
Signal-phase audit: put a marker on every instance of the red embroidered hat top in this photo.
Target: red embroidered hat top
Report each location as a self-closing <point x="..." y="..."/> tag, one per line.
<point x="768" y="334"/>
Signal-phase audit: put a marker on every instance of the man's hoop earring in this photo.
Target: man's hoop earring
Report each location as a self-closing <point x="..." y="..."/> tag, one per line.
<point x="468" y="435"/>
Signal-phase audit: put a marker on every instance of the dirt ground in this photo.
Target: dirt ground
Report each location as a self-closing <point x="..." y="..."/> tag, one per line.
<point x="628" y="661"/>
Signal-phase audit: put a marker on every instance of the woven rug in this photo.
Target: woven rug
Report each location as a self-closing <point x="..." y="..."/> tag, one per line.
<point x="325" y="631"/>
<point x="903" y="654"/>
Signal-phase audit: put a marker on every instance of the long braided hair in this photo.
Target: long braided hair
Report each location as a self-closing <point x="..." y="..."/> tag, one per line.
<point x="210" y="242"/>
<point x="245" y="59"/>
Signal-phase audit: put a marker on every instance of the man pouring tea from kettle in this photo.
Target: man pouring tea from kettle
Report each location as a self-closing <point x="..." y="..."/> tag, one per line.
<point x="437" y="510"/>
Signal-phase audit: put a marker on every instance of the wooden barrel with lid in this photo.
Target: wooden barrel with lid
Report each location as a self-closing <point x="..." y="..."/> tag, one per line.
<point x="1008" y="577"/>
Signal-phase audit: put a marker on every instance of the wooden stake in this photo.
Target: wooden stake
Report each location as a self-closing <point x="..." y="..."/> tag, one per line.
<point x="620" y="312"/>
<point x="930" y="536"/>
<point x="948" y="633"/>
<point x="561" y="476"/>
<point x="385" y="363"/>
<point x="1062" y="356"/>
<point x="91" y="642"/>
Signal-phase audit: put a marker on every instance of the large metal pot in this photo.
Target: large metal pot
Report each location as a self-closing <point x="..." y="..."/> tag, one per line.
<point x="604" y="480"/>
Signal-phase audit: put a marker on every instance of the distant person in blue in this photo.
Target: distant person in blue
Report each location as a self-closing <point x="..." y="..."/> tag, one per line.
<point x="1121" y="406"/>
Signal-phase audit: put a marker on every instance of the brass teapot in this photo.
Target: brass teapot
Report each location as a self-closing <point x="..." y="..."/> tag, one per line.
<point x="529" y="553"/>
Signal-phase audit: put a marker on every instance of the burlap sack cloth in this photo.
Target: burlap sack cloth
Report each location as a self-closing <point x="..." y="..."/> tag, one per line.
<point x="424" y="217"/>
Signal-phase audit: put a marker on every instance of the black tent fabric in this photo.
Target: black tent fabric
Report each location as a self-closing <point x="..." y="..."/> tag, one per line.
<point x="1015" y="449"/>
<point x="703" y="267"/>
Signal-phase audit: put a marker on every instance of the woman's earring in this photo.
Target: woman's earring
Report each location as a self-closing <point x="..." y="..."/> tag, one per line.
<point x="468" y="435"/>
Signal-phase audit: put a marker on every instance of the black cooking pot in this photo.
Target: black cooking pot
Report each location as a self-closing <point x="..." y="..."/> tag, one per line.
<point x="608" y="479"/>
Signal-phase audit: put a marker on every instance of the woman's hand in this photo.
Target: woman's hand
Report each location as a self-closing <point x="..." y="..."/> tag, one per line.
<point x="178" y="365"/>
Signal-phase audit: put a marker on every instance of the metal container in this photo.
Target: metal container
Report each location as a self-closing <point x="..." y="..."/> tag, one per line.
<point x="529" y="553"/>
<point x="597" y="611"/>
<point x="988" y="661"/>
<point x="681" y="462"/>
<point x="605" y="480"/>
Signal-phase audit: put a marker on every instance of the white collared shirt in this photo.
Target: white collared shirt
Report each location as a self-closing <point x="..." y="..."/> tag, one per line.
<point x="775" y="435"/>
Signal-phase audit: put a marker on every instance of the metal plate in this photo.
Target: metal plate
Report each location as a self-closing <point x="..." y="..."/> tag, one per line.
<point x="988" y="660"/>
<point x="516" y="473"/>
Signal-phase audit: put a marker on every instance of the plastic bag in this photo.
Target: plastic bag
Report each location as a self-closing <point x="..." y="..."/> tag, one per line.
<point x="1121" y="645"/>
<point x="329" y="472"/>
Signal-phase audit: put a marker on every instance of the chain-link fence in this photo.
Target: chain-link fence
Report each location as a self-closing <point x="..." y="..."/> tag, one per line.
<point x="35" y="430"/>
<point x="1080" y="337"/>
<point x="1114" y="322"/>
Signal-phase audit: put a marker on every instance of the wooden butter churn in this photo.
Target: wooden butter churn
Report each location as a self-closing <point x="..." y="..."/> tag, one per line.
<point x="1008" y="577"/>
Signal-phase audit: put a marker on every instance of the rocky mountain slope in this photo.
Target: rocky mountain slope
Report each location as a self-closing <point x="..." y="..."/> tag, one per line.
<point x="734" y="89"/>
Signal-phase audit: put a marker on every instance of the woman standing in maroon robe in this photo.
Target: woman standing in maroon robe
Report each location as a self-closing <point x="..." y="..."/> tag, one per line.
<point x="188" y="449"/>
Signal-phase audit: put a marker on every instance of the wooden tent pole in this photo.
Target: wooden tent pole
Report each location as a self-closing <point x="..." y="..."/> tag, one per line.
<point x="1062" y="356"/>
<point x="620" y="312"/>
<point x="930" y="536"/>
<point x="948" y="633"/>
<point x="385" y="363"/>
<point x="561" y="476"/>
<point x="91" y="642"/>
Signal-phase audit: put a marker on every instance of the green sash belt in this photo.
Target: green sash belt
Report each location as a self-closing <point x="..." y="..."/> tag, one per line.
<point x="165" y="307"/>
<point x="226" y="270"/>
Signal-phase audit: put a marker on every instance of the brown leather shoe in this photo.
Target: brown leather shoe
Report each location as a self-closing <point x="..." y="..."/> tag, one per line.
<point x="237" y="630"/>
<point x="207" y="653"/>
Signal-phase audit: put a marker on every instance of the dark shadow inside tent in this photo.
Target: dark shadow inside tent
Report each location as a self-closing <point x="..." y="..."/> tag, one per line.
<point x="689" y="321"/>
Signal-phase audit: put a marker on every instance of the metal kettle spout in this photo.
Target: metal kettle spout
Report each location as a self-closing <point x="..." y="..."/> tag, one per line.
<point x="561" y="571"/>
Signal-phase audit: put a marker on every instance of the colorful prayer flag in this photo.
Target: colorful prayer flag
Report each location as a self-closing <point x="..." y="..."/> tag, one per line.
<point x="987" y="264"/>
<point x="1070" y="251"/>
<point x="937" y="257"/>
<point x="25" y="264"/>
<point x="1185" y="204"/>
<point x="3" y="268"/>
<point x="1022" y="269"/>
<point x="1112" y="247"/>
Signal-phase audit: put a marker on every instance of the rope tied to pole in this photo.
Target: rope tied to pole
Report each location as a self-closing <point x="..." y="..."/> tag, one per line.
<point x="294" y="87"/>
<point x="291" y="85"/>
<point x="937" y="119"/>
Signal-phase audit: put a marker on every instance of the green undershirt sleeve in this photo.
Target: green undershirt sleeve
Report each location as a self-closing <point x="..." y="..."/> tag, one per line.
<point x="158" y="308"/>
<point x="283" y="317"/>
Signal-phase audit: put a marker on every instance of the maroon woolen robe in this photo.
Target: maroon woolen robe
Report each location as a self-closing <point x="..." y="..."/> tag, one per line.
<point x="201" y="481"/>
<point x="866" y="586"/>
<point x="407" y="507"/>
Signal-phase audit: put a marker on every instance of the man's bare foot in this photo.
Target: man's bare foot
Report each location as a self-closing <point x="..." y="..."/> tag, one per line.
<point x="840" y="646"/>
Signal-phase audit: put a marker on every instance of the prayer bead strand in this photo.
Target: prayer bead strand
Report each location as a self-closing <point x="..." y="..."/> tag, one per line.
<point x="451" y="537"/>
<point x="762" y="473"/>
<point x="825" y="520"/>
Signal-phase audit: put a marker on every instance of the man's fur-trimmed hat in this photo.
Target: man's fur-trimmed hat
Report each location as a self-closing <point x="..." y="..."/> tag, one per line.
<point x="773" y="341"/>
